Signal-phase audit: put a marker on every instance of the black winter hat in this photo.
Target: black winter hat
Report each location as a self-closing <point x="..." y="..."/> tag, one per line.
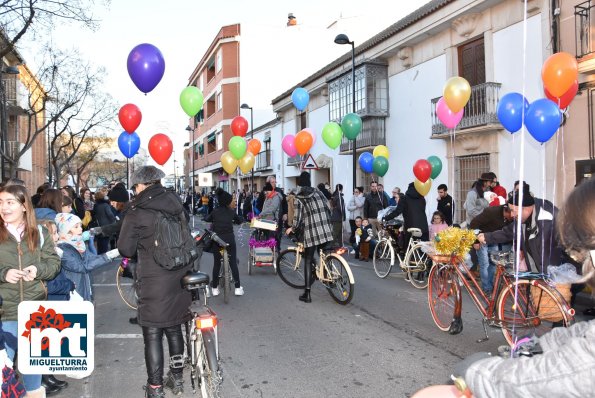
<point x="304" y="179"/>
<point x="528" y="199"/>
<point x="119" y="194"/>
<point x="223" y="197"/>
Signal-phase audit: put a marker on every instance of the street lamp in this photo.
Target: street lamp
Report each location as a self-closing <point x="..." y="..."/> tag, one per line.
<point x="343" y="39"/>
<point x="9" y="70"/>
<point x="246" y="106"/>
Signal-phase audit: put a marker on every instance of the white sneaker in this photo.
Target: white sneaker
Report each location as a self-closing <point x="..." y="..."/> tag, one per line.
<point x="215" y="291"/>
<point x="239" y="291"/>
<point x="352" y="252"/>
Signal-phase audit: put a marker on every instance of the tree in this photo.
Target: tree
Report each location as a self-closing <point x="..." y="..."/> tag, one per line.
<point x="105" y="170"/>
<point x="86" y="151"/>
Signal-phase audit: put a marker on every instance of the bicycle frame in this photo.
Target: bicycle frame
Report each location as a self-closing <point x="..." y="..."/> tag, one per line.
<point x="321" y="266"/>
<point x="395" y="253"/>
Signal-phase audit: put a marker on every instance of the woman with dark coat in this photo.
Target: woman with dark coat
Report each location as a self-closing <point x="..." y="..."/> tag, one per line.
<point x="163" y="305"/>
<point x="338" y="214"/>
<point x="102" y="211"/>
<point x="413" y="208"/>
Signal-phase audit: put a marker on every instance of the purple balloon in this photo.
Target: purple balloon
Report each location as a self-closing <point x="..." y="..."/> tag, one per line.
<point x="146" y="66"/>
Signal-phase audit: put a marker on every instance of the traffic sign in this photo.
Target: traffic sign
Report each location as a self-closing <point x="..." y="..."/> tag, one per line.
<point x="309" y="163"/>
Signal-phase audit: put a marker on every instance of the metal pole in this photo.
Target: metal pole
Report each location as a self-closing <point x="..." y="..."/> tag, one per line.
<point x="127" y="174"/>
<point x="49" y="159"/>
<point x="353" y="100"/>
<point x="3" y="126"/>
<point x="251" y="137"/>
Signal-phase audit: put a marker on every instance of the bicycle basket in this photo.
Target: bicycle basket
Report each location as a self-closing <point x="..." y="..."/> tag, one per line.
<point x="547" y="308"/>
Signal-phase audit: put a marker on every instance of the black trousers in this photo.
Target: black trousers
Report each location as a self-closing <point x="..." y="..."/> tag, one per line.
<point x="309" y="265"/>
<point x="153" y="338"/>
<point x="233" y="263"/>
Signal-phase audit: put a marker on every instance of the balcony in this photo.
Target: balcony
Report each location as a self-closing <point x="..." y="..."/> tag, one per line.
<point x="263" y="161"/>
<point x="479" y="111"/>
<point x="585" y="36"/>
<point x="17" y="97"/>
<point x="295" y="160"/>
<point x="373" y="133"/>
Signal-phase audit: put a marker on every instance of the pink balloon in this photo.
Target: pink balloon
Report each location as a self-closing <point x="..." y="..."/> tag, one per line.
<point x="309" y="130"/>
<point x="448" y="118"/>
<point x="288" y="145"/>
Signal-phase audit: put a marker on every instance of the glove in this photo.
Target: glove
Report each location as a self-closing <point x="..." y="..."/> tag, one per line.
<point x="95" y="231"/>
<point x="112" y="254"/>
<point x="86" y="235"/>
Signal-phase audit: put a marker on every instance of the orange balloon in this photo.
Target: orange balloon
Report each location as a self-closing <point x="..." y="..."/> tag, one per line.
<point x="254" y="146"/>
<point x="559" y="72"/>
<point x="303" y="142"/>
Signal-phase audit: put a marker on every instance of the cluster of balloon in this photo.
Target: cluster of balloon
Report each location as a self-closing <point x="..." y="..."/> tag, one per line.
<point x="455" y="95"/>
<point x="145" y="66"/>
<point x="375" y="162"/>
<point x="160" y="148"/>
<point x="425" y="170"/>
<point x="300" y="98"/>
<point x="191" y="100"/>
<point x="129" y="143"/>
<point x="130" y="117"/>
<point x="241" y="153"/>
<point x="542" y="117"/>
<point x="298" y="144"/>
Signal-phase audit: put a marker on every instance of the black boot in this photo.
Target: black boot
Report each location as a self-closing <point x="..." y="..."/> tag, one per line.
<point x="133" y="321"/>
<point x="56" y="382"/>
<point x="306" y="296"/>
<point x="175" y="382"/>
<point x="154" y="392"/>
<point x="50" y="389"/>
<point x="308" y="282"/>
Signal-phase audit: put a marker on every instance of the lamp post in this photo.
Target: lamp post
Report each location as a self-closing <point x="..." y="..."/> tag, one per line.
<point x="9" y="70"/>
<point x="343" y="39"/>
<point x="175" y="174"/>
<point x="246" y="106"/>
<point x="191" y="145"/>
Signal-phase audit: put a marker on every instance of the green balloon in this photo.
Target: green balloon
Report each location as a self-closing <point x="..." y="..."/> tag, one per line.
<point x="351" y="125"/>
<point x="332" y="134"/>
<point x="436" y="164"/>
<point x="380" y="165"/>
<point x="191" y="100"/>
<point x="237" y="147"/>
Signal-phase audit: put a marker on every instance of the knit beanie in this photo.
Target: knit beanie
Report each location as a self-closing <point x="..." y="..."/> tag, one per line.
<point x="119" y="194"/>
<point x="528" y="199"/>
<point x="223" y="197"/>
<point x="304" y="179"/>
<point x="65" y="222"/>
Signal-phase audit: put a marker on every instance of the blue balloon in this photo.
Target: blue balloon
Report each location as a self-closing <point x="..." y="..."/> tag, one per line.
<point x="129" y="144"/>
<point x="543" y="119"/>
<point x="366" y="162"/>
<point x="510" y="111"/>
<point x="300" y="98"/>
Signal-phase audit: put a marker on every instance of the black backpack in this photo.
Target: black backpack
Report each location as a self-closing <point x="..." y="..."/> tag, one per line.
<point x="174" y="247"/>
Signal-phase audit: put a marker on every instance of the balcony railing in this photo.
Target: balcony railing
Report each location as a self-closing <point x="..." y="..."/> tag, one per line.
<point x="263" y="161"/>
<point x="373" y="133"/>
<point x="295" y="160"/>
<point x="479" y="111"/>
<point x="584" y="29"/>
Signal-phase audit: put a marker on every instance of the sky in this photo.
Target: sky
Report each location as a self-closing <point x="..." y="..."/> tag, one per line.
<point x="183" y="30"/>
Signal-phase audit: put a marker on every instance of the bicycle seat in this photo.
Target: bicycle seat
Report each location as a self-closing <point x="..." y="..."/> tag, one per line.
<point x="416" y="232"/>
<point x="194" y="279"/>
<point x="329" y="247"/>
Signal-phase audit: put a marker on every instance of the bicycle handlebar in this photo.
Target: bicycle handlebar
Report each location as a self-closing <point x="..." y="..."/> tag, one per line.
<point x="220" y="242"/>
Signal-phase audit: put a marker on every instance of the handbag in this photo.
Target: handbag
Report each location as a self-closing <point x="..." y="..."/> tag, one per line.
<point x="11" y="386"/>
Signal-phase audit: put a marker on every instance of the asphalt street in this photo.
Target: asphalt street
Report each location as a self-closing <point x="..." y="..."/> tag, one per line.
<point x="383" y="344"/>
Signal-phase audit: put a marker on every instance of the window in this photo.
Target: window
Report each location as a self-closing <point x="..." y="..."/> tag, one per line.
<point x="211" y="143"/>
<point x="219" y="141"/>
<point x="219" y="62"/>
<point x="301" y="121"/>
<point x="200" y="79"/>
<point x="210" y="69"/>
<point x="201" y="150"/>
<point x="468" y="170"/>
<point x="472" y="64"/>
<point x="197" y="149"/>
<point x="220" y="101"/>
<point x="199" y="117"/>
<point x="209" y="107"/>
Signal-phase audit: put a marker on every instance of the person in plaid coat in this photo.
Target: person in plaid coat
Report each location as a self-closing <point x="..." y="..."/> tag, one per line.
<point x="312" y="225"/>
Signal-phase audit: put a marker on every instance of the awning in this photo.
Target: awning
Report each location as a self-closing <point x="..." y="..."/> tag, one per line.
<point x="201" y="149"/>
<point x="211" y="137"/>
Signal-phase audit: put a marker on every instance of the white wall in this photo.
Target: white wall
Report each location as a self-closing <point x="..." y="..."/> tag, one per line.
<point x="508" y="70"/>
<point x="409" y="127"/>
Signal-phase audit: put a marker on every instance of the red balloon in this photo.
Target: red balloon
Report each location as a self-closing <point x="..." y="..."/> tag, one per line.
<point x="422" y="169"/>
<point x="130" y="117"/>
<point x="566" y="98"/>
<point x="239" y="126"/>
<point x="160" y="148"/>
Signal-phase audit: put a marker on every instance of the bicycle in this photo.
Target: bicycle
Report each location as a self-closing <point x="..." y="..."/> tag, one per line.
<point x="202" y="346"/>
<point x="331" y="270"/>
<point x="127" y="290"/>
<point x="520" y="304"/>
<point x="225" y="277"/>
<point x="414" y="262"/>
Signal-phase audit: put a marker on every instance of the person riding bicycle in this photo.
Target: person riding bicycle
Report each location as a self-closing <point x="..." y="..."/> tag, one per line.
<point x="566" y="366"/>
<point x="312" y="225"/>
<point x="413" y="208"/>
<point x="222" y="219"/>
<point x="162" y="301"/>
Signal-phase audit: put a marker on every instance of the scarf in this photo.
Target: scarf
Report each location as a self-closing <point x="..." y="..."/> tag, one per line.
<point x="75" y="241"/>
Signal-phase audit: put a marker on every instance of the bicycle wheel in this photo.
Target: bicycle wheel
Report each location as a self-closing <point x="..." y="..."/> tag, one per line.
<point x="289" y="270"/>
<point x="442" y="295"/>
<point x="207" y="365"/>
<point x="339" y="287"/>
<point x="418" y="266"/>
<point x="251" y="262"/>
<point x="535" y="311"/>
<point x="384" y="256"/>
<point x="226" y="277"/>
<point x="126" y="286"/>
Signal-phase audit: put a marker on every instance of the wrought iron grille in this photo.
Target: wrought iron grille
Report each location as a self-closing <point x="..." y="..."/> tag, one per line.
<point x="584" y="31"/>
<point x="373" y="133"/>
<point x="479" y="111"/>
<point x="263" y="161"/>
<point x="467" y="171"/>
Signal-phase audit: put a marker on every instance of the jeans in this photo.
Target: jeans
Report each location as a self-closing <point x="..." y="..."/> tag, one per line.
<point x="153" y="338"/>
<point x="31" y="382"/>
<point x="487" y="268"/>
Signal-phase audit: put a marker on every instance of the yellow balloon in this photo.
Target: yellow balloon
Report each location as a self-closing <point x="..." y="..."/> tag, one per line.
<point x="228" y="162"/>
<point x="457" y="92"/>
<point x="246" y="162"/>
<point x="422" y="187"/>
<point x="380" y="150"/>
